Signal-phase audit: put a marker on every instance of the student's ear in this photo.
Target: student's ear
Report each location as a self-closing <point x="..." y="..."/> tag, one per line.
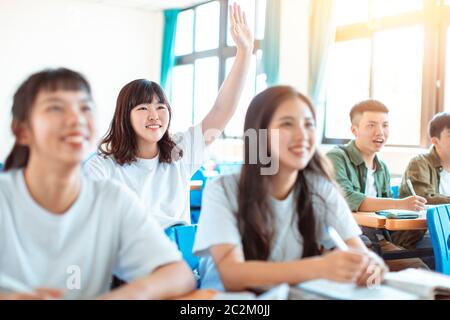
<point x="354" y="129"/>
<point x="434" y="141"/>
<point x="21" y="131"/>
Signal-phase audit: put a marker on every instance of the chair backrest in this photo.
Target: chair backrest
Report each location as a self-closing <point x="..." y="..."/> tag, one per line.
<point x="184" y="237"/>
<point x="395" y="191"/>
<point x="438" y="219"/>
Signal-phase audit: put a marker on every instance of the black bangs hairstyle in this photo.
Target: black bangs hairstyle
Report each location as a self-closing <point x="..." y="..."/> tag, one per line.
<point x="47" y="80"/>
<point x="120" y="140"/>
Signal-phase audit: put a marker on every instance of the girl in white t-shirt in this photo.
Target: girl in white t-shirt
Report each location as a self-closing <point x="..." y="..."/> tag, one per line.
<point x="63" y="235"/>
<point x="266" y="225"/>
<point x="139" y="152"/>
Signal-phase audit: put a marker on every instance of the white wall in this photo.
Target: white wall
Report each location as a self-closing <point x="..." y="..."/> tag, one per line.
<point x="110" y="45"/>
<point x="294" y="34"/>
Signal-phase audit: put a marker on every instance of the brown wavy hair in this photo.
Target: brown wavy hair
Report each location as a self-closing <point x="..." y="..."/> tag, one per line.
<point x="254" y="216"/>
<point x="120" y="140"/>
<point x="25" y="96"/>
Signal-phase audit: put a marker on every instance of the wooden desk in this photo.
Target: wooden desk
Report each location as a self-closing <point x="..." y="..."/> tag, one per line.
<point x="200" y="294"/>
<point x="196" y="184"/>
<point x="373" y="220"/>
<point x="373" y="224"/>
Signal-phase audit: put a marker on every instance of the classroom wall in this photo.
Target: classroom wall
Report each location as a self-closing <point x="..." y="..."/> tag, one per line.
<point x="111" y="45"/>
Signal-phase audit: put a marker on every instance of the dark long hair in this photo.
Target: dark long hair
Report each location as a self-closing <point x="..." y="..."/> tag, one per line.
<point x="24" y="98"/>
<point x="254" y="216"/>
<point x="120" y="140"/>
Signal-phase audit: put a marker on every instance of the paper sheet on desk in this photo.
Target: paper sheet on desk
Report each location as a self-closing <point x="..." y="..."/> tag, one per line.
<point x="350" y="291"/>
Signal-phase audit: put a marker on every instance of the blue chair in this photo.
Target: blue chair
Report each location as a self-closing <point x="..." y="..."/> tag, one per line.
<point x="196" y="194"/>
<point x="395" y="191"/>
<point x="1" y="167"/>
<point x="195" y="215"/>
<point x="438" y="219"/>
<point x="184" y="237"/>
<point x="195" y="198"/>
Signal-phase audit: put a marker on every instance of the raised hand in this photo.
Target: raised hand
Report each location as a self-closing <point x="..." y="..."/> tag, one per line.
<point x="240" y="32"/>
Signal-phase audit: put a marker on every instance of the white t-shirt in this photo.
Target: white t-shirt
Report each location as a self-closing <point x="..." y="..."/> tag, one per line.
<point x="218" y="223"/>
<point x="105" y="232"/>
<point x="444" y="183"/>
<point x="163" y="188"/>
<point x="371" y="189"/>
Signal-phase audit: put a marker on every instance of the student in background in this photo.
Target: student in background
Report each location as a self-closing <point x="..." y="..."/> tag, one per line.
<point x="139" y="152"/>
<point x="429" y="174"/>
<point x="67" y="233"/>
<point x="364" y="178"/>
<point x="262" y="228"/>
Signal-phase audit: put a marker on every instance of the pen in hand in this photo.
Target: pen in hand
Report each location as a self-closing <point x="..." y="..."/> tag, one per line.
<point x="340" y="244"/>
<point x="410" y="187"/>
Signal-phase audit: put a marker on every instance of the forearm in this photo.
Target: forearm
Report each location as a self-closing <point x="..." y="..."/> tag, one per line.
<point x="229" y="94"/>
<point x="253" y="274"/>
<point x="170" y="281"/>
<point x="370" y="204"/>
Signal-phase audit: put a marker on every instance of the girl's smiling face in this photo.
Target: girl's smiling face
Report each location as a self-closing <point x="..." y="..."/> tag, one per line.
<point x="294" y="123"/>
<point x="60" y="126"/>
<point x="150" y="121"/>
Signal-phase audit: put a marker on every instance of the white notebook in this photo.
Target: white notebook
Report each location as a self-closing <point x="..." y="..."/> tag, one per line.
<point x="409" y="284"/>
<point x="424" y="283"/>
<point x="350" y="291"/>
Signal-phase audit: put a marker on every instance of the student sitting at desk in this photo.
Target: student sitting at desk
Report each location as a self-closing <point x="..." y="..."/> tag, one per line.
<point x="139" y="152"/>
<point x="430" y="173"/>
<point x="65" y="232"/>
<point x="266" y="224"/>
<point x="363" y="177"/>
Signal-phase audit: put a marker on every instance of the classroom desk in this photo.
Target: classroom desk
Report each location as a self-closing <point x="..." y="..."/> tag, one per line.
<point x="196" y="184"/>
<point x="199" y="294"/>
<point x="295" y="293"/>
<point x="373" y="224"/>
<point x="373" y="220"/>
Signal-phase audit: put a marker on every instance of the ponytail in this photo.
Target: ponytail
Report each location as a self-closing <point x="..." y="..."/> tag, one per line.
<point x="17" y="158"/>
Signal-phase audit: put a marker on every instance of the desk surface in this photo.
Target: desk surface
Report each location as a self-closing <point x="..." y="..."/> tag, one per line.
<point x="373" y="220"/>
<point x="200" y="294"/>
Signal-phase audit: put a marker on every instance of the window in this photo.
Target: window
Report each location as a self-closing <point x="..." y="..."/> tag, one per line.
<point x="389" y="50"/>
<point x="204" y="53"/>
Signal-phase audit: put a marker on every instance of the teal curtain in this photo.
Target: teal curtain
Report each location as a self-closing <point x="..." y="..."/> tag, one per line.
<point x="168" y="48"/>
<point x="271" y="42"/>
<point x="322" y="33"/>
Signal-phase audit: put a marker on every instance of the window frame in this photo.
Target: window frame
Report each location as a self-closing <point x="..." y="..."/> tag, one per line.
<point x="435" y="18"/>
<point x="223" y="51"/>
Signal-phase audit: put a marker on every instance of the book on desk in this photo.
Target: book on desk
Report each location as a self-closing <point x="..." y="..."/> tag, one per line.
<point x="409" y="284"/>
<point x="399" y="214"/>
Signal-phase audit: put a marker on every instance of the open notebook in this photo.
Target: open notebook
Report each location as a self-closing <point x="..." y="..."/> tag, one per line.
<point x="410" y="284"/>
<point x="401" y="214"/>
<point x="425" y="284"/>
